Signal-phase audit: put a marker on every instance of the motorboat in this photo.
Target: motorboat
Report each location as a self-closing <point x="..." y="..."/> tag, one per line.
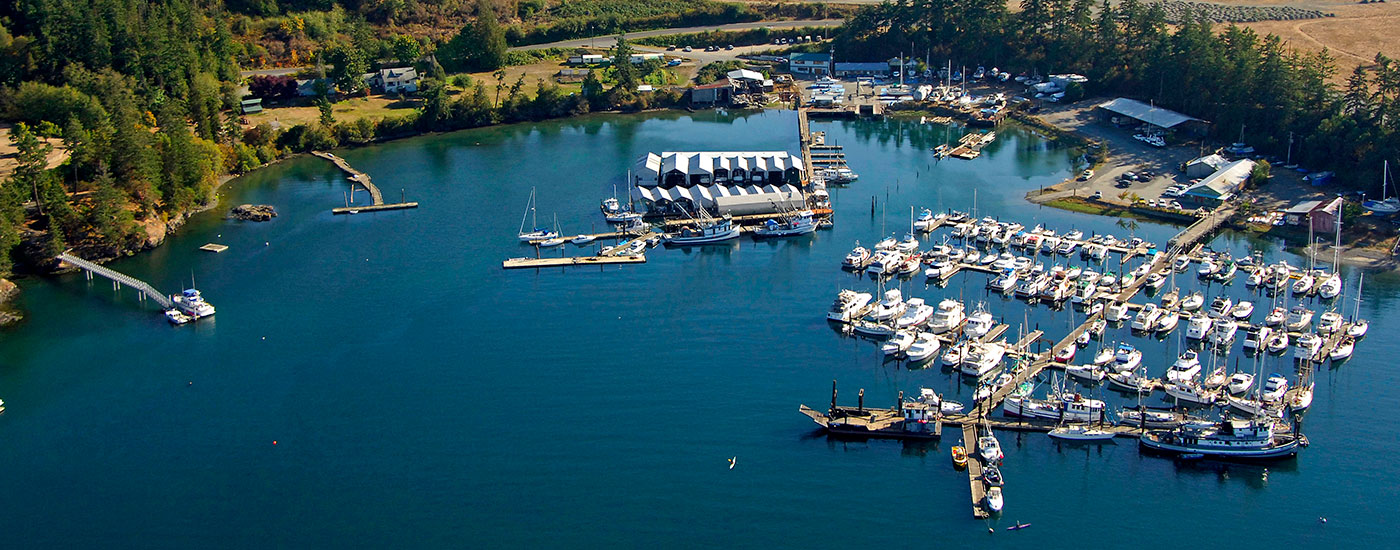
<point x="910" y="265"/>
<point x="1257" y="337"/>
<point x="1242" y="310"/>
<point x="995" y="501"/>
<point x="1208" y="268"/>
<point x="1181" y="263"/>
<point x="1274" y="387"/>
<point x="1084" y="293"/>
<point x="991" y="475"/>
<point x="1089" y="277"/>
<point x="989" y="448"/>
<point x="1193" y="301"/>
<point x="1108" y="279"/>
<point x="1190" y="394"/>
<point x="1343" y="349"/>
<point x="706" y="230"/>
<point x="948" y="317"/>
<point x="909" y="245"/>
<point x="1155" y="281"/>
<point x="1103" y="357"/>
<point x="581" y="240"/>
<point x="1076" y="407"/>
<point x="1066" y="354"/>
<point x="1146" y="317"/>
<point x="848" y="304"/>
<point x="1307" y="346"/>
<point x="1186" y="368"/>
<point x="890" y="307"/>
<point x="797" y="223"/>
<point x="925" y="346"/>
<point x="1083" y="339"/>
<point x="1230" y="439"/>
<point x="1224" y="332"/>
<point x="1299" y="317"/>
<point x="898" y="344"/>
<point x="1168" y="321"/>
<point x="1096" y="309"/>
<point x="1276" y="317"/>
<point x="1117" y="312"/>
<point x="940" y="269"/>
<point x="856" y="259"/>
<point x="1199" y="326"/>
<point x="1148" y="418"/>
<point x="981" y="359"/>
<point x="1240" y="382"/>
<point x="959" y="457"/>
<point x="1126" y="358"/>
<point x="1329" y="322"/>
<point x="177" y="317"/>
<point x="1004" y="282"/>
<point x="1093" y="373"/>
<point x="979" y="323"/>
<point x="926" y="221"/>
<point x="1097" y="327"/>
<point x="916" y="313"/>
<point x="972" y="257"/>
<point x="884" y="262"/>
<point x="953" y="356"/>
<point x="1278" y="343"/>
<point x="887" y="243"/>
<point x="1080" y="433"/>
<point x="1220" y="307"/>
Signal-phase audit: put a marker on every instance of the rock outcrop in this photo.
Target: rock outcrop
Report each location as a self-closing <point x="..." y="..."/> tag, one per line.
<point x="253" y="212"/>
<point x="8" y="291"/>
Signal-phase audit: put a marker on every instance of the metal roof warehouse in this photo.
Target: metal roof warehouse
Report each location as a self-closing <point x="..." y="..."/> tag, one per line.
<point x="1165" y="119"/>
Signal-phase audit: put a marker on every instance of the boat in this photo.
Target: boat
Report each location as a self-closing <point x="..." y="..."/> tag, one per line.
<point x="888" y="243"/>
<point x="1180" y="264"/>
<point x="1302" y="397"/>
<point x="981" y="359"/>
<point x="925" y="346"/>
<point x="847" y="305"/>
<point x="1220" y="307"/>
<point x="916" y="313"/>
<point x="1146" y="317"/>
<point x="995" y="501"/>
<point x="1303" y="285"/>
<point x="1230" y="439"/>
<point x="706" y="230"/>
<point x="1278" y="343"/>
<point x="191" y="303"/>
<point x="909" y="245"/>
<point x="856" y="258"/>
<point x="1079" y="432"/>
<point x="1388" y="204"/>
<point x="979" y="323"/>
<point x="1019" y="526"/>
<point x="1186" y="368"/>
<point x="1358" y="326"/>
<point x="1004" y="282"/>
<point x="1329" y="322"/>
<point x="1156" y="281"/>
<point x="940" y="269"/>
<point x="1168" y="321"/>
<point x="1257" y="337"/>
<point x="948" y="316"/>
<point x="1215" y="380"/>
<point x="932" y="399"/>
<point x="1117" y="311"/>
<point x="1330" y="287"/>
<point x="177" y="317"/>
<point x="581" y="240"/>
<point x="801" y="222"/>
<point x="898" y="344"/>
<point x="953" y="356"/>
<point x="1097" y="327"/>
<point x="991" y="475"/>
<point x="926" y="221"/>
<point x="1103" y="357"/>
<point x="989" y="448"/>
<point x="884" y="262"/>
<point x="1224" y="332"/>
<point x="538" y="233"/>
<point x="1276" y="317"/>
<point x="1274" y="387"/>
<point x="892" y="306"/>
<point x="1299" y="317"/>
<point x="1240" y="382"/>
<point x="1242" y="310"/>
<point x="1126" y="358"/>
<point x="1084" y="293"/>
<point x="1143" y="417"/>
<point x="1343" y="349"/>
<point x="959" y="457"/>
<point x="1198" y="326"/>
<point x="1307" y="346"/>
<point x="1190" y="394"/>
<point x="1092" y="373"/>
<point x="1065" y="355"/>
<point x="1193" y="301"/>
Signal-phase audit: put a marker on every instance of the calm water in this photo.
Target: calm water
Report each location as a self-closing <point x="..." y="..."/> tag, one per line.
<point x="419" y="395"/>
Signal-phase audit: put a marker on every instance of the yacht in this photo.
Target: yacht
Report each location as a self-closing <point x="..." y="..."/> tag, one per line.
<point x="1274" y="388"/>
<point x="856" y="259"/>
<point x="890" y="307"/>
<point x="1117" y="312"/>
<point x="538" y="233"/>
<point x="1186" y="368"/>
<point x="888" y="243"/>
<point x="1190" y="394"/>
<point x="948" y="316"/>
<point x="916" y="313"/>
<point x="1224" y="332"/>
<point x="1307" y="346"/>
<point x="885" y="262"/>
<point x="953" y="356"/>
<point x="1084" y="293"/>
<point x="1302" y="397"/>
<point x="898" y="343"/>
<point x="1198" y="327"/>
<point x="1066" y="354"/>
<point x="1329" y="322"/>
<point x="1242" y="310"/>
<point x="1170" y="299"/>
<point x="1238" y="439"/>
<point x="979" y="323"/>
<point x="1240" y="382"/>
<point x="1004" y="282"/>
<point x="909" y="245"/>
<point x="1146" y="317"/>
<point x="940" y="269"/>
<point x="1358" y="328"/>
<point x="706" y="230"/>
<point x="1131" y="382"/>
<point x="1215" y="380"/>
<point x="191" y="303"/>
<point x="1220" y="307"/>
<point x="1298" y="318"/>
<point x="982" y="359"/>
<point x="848" y="304"/>
<point x="1126" y="358"/>
<point x="1257" y="337"/>
<point x="925" y="346"/>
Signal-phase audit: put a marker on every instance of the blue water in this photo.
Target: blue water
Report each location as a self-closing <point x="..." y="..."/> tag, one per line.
<point x="419" y="395"/>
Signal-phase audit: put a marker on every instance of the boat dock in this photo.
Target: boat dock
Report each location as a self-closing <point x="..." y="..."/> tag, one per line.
<point x="969" y="146"/>
<point x="363" y="180"/>
<point x="974" y="472"/>
<point x="118" y="279"/>
<point x="528" y="263"/>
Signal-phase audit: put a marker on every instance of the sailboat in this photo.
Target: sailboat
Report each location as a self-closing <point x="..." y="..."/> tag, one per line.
<point x="1358" y="325"/>
<point x="556" y="240"/>
<point x="538" y="233"/>
<point x="1387" y="204"/>
<point x="1331" y="285"/>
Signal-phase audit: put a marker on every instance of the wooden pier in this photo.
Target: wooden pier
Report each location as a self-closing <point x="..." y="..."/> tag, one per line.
<point x="974" y="472"/>
<point x="363" y="180"/>
<point x="566" y="261"/>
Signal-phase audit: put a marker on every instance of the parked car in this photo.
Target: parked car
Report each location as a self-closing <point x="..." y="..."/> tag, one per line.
<point x="1086" y="174"/>
<point x="729" y="47"/>
<point x="688" y="48"/>
<point x="1097" y="195"/>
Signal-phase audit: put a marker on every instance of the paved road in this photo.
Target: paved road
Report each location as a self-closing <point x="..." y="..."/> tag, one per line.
<point x="609" y="41"/>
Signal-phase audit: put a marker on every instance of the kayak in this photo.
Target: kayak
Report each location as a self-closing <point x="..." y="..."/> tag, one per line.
<point x="1018" y="526"/>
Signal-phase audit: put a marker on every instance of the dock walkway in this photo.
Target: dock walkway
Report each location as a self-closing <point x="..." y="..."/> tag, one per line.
<point x="363" y="180"/>
<point x="118" y="279"/>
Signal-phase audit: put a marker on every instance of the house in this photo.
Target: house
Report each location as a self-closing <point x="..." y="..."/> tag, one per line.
<point x="1204" y="166"/>
<point x="1123" y="110"/>
<point x="718" y="92"/>
<point x="402" y="79"/>
<point x="813" y="64"/>
<point x="1222" y="185"/>
<point x="861" y="69"/>
<point x="1322" y="215"/>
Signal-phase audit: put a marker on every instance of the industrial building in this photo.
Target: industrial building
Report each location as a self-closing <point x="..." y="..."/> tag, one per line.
<point x="1222" y="185"/>
<point x="738" y="183"/>
<point x="1128" y="111"/>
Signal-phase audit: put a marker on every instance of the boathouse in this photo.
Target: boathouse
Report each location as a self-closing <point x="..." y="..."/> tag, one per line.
<point x="718" y="92"/>
<point x="1222" y="185"/>
<point x="1123" y="110"/>
<point x="1322" y="215"/>
<point x="739" y="183"/>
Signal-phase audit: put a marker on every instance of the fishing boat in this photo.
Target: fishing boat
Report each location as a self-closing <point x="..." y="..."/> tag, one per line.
<point x="706" y="230"/>
<point x="1230" y="439"/>
<point x="1079" y="432"/>
<point x="1186" y="368"/>
<point x="537" y="233"/>
<point x="801" y="222"/>
<point x="848" y="304"/>
<point x="925" y="346"/>
<point x="1193" y="301"/>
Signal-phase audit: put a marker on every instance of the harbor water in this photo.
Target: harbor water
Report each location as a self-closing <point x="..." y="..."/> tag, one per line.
<point x="377" y="380"/>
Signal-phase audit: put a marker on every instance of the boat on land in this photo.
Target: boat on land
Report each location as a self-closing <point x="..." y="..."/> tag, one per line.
<point x="1389" y="204"/>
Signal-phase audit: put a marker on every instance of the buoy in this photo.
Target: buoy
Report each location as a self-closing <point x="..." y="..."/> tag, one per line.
<point x="190" y="384"/>
<point x="991" y="530"/>
<point x="264" y="338"/>
<point x="266" y="243"/>
<point x="1322" y="519"/>
<point x="274" y="442"/>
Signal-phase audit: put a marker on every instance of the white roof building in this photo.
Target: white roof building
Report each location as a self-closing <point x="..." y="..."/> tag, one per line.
<point x="744" y="74"/>
<point x="671" y="168"/>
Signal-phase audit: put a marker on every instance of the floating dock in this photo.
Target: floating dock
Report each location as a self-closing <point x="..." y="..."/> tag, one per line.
<point x="528" y="263"/>
<point x="213" y="247"/>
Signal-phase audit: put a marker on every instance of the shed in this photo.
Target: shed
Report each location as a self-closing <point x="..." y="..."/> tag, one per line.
<point x="718" y="92"/>
<point x="1322" y="214"/>
<point x="1204" y="166"/>
<point x="741" y="75"/>
<point x="252" y="105"/>
<point x="861" y="69"/>
<point x="1151" y="115"/>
